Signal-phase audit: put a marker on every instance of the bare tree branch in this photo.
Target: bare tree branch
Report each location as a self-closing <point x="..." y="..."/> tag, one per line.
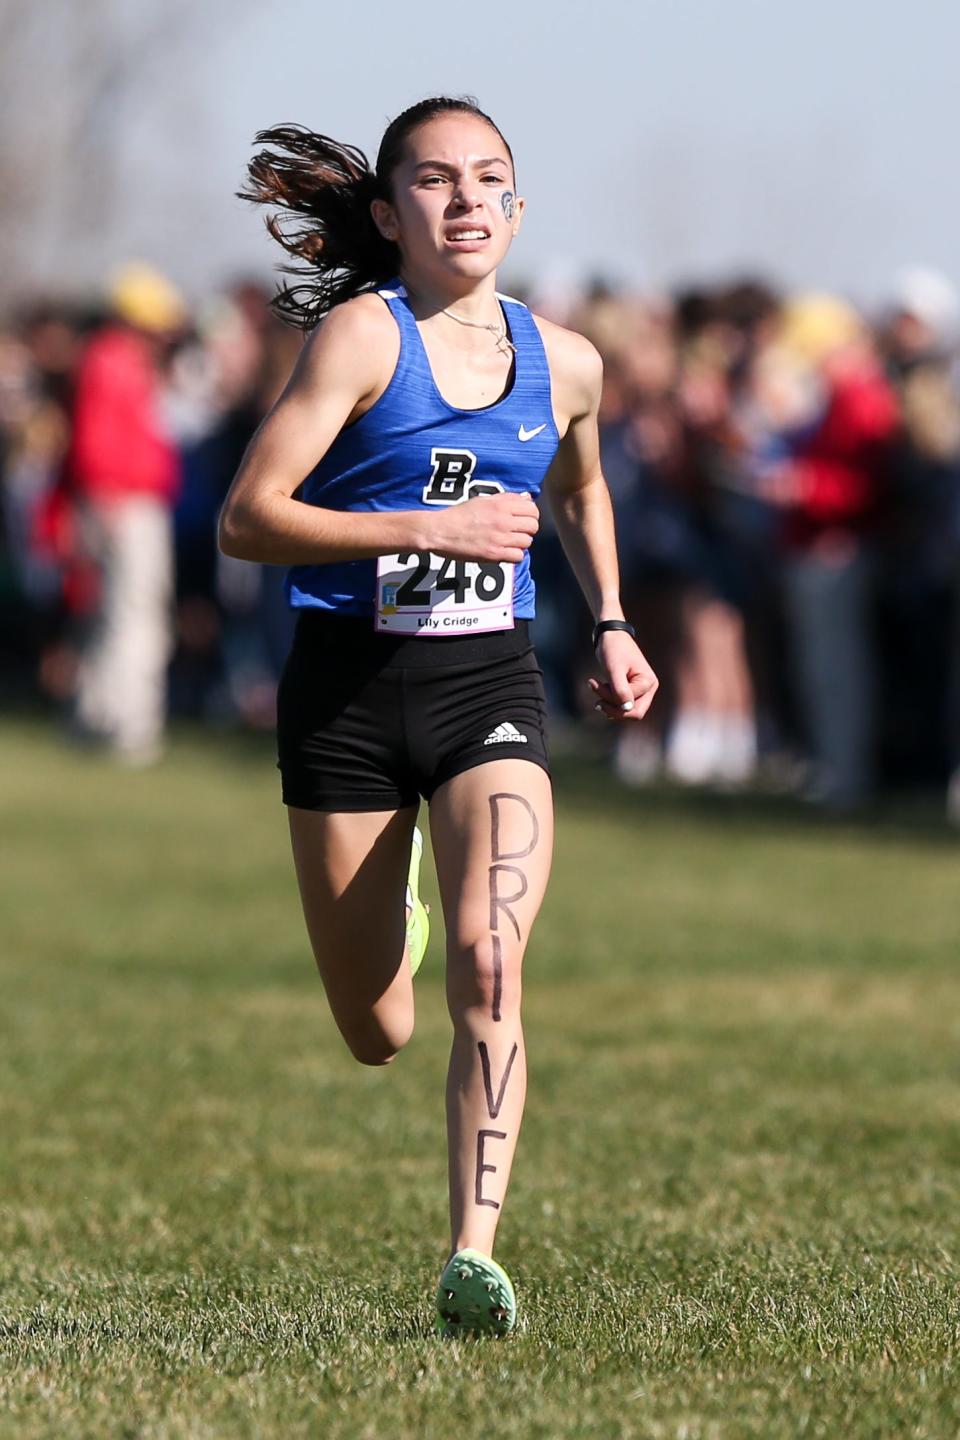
<point x="70" y="76"/>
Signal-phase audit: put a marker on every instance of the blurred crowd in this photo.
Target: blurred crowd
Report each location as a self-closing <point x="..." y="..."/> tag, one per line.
<point x="785" y="473"/>
<point x="121" y="428"/>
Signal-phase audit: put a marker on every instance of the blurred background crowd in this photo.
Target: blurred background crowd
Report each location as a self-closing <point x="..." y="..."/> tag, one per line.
<point x="785" y="473"/>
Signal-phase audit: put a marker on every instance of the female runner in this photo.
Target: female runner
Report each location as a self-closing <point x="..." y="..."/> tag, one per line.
<point x="397" y="475"/>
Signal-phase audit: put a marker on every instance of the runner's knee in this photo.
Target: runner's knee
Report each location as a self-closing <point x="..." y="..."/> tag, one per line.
<point x="372" y="1042"/>
<point x="483" y="976"/>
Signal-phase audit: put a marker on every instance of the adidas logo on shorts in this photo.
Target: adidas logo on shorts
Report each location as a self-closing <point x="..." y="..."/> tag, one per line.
<point x="505" y="733"/>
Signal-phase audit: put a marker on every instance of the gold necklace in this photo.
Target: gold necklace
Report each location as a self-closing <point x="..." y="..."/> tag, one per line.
<point x="499" y="332"/>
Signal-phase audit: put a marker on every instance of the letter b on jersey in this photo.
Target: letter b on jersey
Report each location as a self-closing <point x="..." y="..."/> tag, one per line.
<point x="451" y="478"/>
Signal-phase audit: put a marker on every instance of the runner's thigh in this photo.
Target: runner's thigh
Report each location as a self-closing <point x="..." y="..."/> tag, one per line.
<point x="492" y="830"/>
<point x="352" y="871"/>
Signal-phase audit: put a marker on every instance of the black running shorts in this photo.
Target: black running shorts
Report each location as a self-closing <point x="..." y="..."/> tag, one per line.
<point x="372" y="722"/>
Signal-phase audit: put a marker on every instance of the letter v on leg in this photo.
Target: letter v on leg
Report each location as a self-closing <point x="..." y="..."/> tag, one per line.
<point x="493" y="1106"/>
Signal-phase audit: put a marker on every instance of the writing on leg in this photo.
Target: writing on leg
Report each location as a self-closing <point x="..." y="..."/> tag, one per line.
<point x="482" y="1168"/>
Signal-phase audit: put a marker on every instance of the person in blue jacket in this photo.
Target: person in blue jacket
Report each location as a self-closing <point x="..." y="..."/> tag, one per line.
<point x="398" y="477"/>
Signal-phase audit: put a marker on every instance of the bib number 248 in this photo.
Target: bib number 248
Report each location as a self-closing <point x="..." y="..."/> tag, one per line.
<point x="422" y="593"/>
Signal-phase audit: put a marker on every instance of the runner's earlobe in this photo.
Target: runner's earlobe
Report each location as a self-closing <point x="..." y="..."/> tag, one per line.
<point x="385" y="219"/>
<point x="519" y="205"/>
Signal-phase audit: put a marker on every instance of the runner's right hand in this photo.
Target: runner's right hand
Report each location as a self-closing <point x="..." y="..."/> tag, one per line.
<point x="491" y="527"/>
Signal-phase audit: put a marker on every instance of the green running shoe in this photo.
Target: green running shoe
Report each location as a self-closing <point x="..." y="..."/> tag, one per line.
<point x="475" y="1297"/>
<point x="418" y="919"/>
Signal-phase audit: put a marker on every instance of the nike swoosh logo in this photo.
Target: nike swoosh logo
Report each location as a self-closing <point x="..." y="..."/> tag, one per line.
<point x="524" y="434"/>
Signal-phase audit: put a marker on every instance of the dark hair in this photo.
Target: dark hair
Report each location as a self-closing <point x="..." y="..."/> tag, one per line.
<point x="327" y="188"/>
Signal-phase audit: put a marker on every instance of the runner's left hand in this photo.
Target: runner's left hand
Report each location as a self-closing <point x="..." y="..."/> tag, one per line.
<point x="627" y="686"/>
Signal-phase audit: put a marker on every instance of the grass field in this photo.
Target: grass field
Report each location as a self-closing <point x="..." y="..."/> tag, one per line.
<point x="736" y="1203"/>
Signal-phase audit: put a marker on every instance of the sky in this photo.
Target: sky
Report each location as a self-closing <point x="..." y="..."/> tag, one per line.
<point x="657" y="144"/>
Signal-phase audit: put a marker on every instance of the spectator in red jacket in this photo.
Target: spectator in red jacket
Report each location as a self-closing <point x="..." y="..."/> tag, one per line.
<point x="123" y="472"/>
<point x="831" y="487"/>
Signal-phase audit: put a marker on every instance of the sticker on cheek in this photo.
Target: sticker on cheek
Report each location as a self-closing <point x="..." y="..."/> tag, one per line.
<point x="506" y="202"/>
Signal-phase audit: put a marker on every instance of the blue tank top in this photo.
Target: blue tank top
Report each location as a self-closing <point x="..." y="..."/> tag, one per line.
<point x="412" y="450"/>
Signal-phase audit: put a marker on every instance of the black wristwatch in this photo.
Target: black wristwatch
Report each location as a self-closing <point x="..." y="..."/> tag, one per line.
<point x="603" y="625"/>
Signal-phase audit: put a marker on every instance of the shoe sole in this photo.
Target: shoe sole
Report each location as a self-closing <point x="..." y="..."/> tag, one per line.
<point x="475" y="1297"/>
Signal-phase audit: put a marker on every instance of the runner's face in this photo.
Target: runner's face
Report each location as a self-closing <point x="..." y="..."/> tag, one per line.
<point x="454" y="209"/>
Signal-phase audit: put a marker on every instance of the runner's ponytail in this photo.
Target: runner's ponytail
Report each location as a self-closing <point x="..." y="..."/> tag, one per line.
<point x="327" y="188"/>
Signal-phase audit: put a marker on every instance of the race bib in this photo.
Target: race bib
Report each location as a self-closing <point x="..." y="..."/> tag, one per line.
<point x="426" y="594"/>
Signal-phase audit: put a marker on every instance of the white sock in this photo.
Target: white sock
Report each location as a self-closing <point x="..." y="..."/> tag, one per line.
<point x="737" y="758"/>
<point x="692" y="747"/>
<point x="636" y="760"/>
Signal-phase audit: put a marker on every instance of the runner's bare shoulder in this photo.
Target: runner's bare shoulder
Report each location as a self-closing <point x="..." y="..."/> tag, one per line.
<point x="355" y="346"/>
<point x="576" y="369"/>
